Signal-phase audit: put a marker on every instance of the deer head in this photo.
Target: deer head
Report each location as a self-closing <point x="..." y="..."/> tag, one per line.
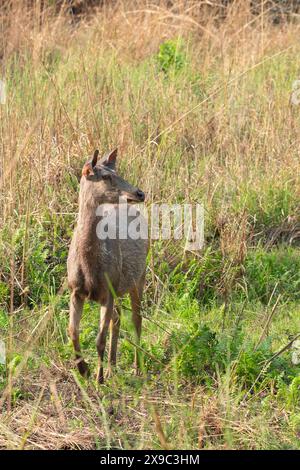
<point x="107" y="186"/>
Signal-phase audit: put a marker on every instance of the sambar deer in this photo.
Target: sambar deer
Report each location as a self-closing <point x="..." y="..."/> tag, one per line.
<point x="103" y="269"/>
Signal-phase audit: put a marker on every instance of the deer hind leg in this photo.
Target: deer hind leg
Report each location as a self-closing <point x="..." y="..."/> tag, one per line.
<point x="105" y="318"/>
<point x="76" y="306"/>
<point x="136" y="298"/>
<point x="114" y="336"/>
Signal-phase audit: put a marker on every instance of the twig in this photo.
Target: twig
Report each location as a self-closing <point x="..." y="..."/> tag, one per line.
<point x="159" y="430"/>
<point x="262" y="336"/>
<point x="268" y="362"/>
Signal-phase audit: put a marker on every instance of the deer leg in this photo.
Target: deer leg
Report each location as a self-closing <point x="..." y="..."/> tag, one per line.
<point x="76" y="306"/>
<point x="105" y="318"/>
<point x="136" y="299"/>
<point x="114" y="336"/>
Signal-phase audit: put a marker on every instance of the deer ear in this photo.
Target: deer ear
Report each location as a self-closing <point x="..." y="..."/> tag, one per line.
<point x="89" y="165"/>
<point x="110" y="159"/>
<point x="95" y="158"/>
<point x="87" y="170"/>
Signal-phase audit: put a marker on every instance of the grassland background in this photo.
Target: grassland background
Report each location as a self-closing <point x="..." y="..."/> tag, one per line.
<point x="200" y="107"/>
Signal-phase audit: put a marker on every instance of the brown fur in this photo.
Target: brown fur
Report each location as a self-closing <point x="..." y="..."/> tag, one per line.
<point x="103" y="269"/>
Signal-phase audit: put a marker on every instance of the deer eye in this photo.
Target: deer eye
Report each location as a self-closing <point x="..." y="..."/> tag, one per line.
<point x="106" y="176"/>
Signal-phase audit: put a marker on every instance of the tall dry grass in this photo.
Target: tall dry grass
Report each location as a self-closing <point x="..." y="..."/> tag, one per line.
<point x="71" y="87"/>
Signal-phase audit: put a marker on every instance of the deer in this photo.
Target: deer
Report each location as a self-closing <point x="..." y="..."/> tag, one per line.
<point x="104" y="270"/>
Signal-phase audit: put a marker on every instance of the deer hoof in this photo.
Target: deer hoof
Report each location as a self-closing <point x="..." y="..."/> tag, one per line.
<point x="83" y="368"/>
<point x="137" y="371"/>
<point x="109" y="373"/>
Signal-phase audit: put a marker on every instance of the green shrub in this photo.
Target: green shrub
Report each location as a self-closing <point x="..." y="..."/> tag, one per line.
<point x="195" y="352"/>
<point x="199" y="278"/>
<point x="202" y="353"/>
<point x="290" y="392"/>
<point x="267" y="270"/>
<point x="170" y="56"/>
<point x="45" y="260"/>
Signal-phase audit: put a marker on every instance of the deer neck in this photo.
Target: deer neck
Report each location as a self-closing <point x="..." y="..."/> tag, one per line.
<point x="87" y="221"/>
<point x="90" y="248"/>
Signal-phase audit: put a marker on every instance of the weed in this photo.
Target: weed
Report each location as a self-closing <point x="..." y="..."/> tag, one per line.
<point x="171" y="57"/>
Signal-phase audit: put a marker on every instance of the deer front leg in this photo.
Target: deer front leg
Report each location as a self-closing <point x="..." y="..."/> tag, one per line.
<point x="114" y="336"/>
<point x="76" y="306"/>
<point x="105" y="318"/>
<point x="136" y="299"/>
